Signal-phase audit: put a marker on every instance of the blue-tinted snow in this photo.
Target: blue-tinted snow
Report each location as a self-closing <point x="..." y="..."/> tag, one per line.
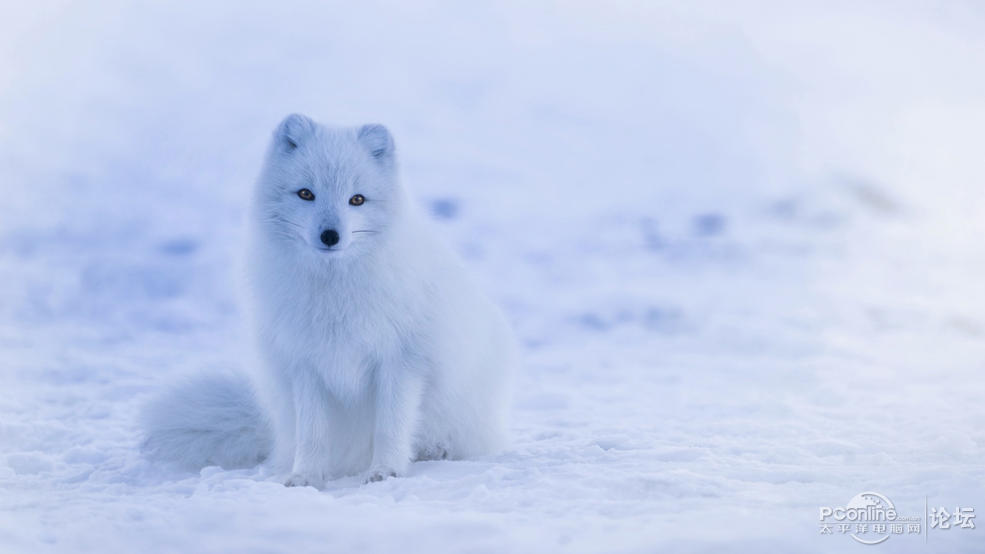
<point x="741" y="245"/>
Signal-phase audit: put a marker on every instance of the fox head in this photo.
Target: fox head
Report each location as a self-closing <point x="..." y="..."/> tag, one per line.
<point x="331" y="190"/>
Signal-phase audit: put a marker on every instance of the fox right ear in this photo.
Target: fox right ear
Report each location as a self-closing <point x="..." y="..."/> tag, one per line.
<point x="377" y="139"/>
<point x="293" y="130"/>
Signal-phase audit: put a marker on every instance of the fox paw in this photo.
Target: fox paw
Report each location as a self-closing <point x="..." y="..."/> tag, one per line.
<point x="379" y="474"/>
<point x="299" y="480"/>
<point x="433" y="452"/>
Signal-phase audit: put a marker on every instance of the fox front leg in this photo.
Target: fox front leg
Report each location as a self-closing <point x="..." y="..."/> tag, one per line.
<point x="311" y="435"/>
<point x="397" y="404"/>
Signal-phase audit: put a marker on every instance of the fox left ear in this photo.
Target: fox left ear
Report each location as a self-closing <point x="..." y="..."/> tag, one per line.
<point x="377" y="139"/>
<point x="293" y="130"/>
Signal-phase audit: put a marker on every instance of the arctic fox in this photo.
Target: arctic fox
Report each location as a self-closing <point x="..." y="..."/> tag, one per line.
<point x="374" y="348"/>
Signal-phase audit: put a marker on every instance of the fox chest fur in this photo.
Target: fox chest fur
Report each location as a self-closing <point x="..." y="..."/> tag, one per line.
<point x="341" y="323"/>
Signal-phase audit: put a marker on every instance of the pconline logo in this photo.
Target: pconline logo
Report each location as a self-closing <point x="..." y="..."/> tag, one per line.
<point x="869" y="518"/>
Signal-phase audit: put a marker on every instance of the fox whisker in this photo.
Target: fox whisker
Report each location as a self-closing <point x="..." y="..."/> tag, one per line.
<point x="280" y="219"/>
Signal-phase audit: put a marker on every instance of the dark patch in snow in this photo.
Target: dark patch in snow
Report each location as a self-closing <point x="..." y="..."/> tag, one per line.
<point x="651" y="235"/>
<point x="664" y="320"/>
<point x="178" y="246"/>
<point x="593" y="322"/>
<point x="654" y="318"/>
<point x="872" y="196"/>
<point x="708" y="224"/>
<point x="131" y="282"/>
<point x="444" y="208"/>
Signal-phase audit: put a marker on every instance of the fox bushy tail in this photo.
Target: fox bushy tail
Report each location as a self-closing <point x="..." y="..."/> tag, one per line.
<point x="212" y="419"/>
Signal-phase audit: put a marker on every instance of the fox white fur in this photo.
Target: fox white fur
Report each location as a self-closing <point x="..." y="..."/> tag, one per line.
<point x="373" y="352"/>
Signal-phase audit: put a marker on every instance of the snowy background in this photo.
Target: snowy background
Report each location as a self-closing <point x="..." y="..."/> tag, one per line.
<point x="741" y="244"/>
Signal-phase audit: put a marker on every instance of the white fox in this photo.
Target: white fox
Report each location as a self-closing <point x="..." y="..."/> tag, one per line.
<point x="374" y="347"/>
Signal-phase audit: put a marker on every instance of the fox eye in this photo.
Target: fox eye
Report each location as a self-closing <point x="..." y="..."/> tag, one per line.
<point x="306" y="194"/>
<point x="357" y="200"/>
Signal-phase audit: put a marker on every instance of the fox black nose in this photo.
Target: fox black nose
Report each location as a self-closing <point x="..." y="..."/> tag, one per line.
<point x="330" y="237"/>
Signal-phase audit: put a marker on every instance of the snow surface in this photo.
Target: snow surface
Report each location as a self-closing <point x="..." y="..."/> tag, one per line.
<point x="740" y="242"/>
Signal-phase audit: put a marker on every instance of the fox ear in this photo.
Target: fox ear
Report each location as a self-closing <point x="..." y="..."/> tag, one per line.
<point x="293" y="130"/>
<point x="377" y="139"/>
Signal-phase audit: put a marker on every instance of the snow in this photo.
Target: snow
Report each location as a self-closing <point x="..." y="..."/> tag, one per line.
<point x="740" y="244"/>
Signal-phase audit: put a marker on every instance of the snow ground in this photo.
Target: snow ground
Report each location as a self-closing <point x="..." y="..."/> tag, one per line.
<point x="740" y="242"/>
